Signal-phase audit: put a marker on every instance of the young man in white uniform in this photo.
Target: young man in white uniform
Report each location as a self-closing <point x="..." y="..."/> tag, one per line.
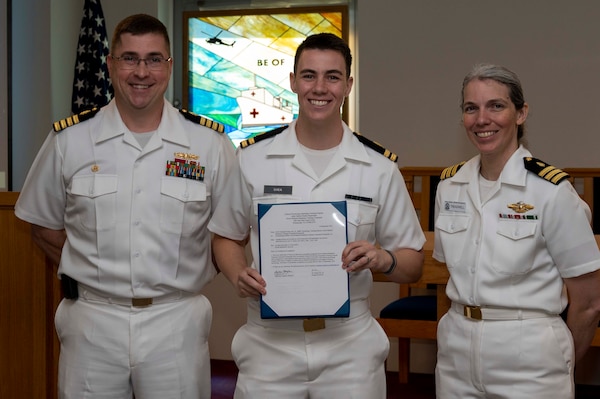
<point x="317" y="158"/>
<point x="121" y="199"/>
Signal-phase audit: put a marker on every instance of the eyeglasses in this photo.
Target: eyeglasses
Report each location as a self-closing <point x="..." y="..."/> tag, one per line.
<point x="154" y="63"/>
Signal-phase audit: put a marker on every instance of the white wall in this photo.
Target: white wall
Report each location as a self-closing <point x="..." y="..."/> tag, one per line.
<point x="415" y="53"/>
<point x="31" y="60"/>
<point x="3" y="96"/>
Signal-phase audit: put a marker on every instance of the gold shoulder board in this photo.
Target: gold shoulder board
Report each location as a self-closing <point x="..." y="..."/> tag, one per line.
<point x="199" y="119"/>
<point x="545" y="171"/>
<point x="75" y="119"/>
<point x="451" y="170"/>
<point x="262" y="136"/>
<point x="377" y="147"/>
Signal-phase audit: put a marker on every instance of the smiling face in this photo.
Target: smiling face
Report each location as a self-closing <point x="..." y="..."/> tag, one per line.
<point x="321" y="84"/>
<point x="490" y="118"/>
<point x="140" y="89"/>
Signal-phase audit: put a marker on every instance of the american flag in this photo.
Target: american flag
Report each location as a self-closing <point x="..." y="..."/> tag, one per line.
<point x="91" y="84"/>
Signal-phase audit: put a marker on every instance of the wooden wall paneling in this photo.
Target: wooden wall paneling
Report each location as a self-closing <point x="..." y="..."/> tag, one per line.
<point x="28" y="296"/>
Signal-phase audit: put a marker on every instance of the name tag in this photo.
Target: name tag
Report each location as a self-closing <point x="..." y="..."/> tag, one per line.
<point x="278" y="190"/>
<point x="454" y="206"/>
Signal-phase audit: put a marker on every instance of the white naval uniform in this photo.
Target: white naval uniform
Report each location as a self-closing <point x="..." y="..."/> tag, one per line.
<point x="276" y="358"/>
<point x="501" y="259"/>
<point x="132" y="232"/>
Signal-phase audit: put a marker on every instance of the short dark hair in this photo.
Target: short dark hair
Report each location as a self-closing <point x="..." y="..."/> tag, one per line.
<point x="139" y="24"/>
<point x="503" y="76"/>
<point x="325" y="41"/>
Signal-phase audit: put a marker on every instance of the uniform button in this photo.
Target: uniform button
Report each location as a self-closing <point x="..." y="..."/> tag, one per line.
<point x="136" y="255"/>
<point x="186" y="195"/>
<point x="471" y="299"/>
<point x="472" y="270"/>
<point x="138" y="190"/>
<point x="452" y="227"/>
<point x="136" y="223"/>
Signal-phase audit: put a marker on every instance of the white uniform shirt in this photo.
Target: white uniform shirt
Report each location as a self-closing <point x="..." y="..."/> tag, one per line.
<point x="389" y="219"/>
<point x="500" y="258"/>
<point x="132" y="231"/>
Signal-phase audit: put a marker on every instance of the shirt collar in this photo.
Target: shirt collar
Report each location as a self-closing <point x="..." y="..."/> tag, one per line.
<point x="513" y="172"/>
<point x="286" y="144"/>
<point x="169" y="129"/>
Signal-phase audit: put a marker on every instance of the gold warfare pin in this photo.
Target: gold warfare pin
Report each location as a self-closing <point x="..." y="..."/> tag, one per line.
<point x="186" y="156"/>
<point x="520" y="207"/>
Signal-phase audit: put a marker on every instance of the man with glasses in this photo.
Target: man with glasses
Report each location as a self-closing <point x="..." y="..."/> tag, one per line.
<point x="121" y="197"/>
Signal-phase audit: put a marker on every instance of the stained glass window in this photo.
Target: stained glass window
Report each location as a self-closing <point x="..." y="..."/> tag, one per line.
<point x="239" y="62"/>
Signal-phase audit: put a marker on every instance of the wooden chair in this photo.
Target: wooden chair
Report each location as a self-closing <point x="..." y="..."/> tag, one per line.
<point x="416" y="316"/>
<point x="587" y="183"/>
<point x="421" y="182"/>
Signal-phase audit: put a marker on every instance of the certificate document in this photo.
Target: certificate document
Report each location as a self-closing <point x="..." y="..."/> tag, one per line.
<point x="301" y="247"/>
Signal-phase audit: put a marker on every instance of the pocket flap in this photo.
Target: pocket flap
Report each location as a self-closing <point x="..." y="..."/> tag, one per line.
<point x="361" y="213"/>
<point x="272" y="199"/>
<point x="452" y="223"/>
<point x="184" y="190"/>
<point x="516" y="230"/>
<point x="93" y="186"/>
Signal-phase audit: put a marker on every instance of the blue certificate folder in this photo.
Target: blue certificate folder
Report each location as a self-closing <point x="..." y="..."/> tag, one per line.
<point x="321" y="299"/>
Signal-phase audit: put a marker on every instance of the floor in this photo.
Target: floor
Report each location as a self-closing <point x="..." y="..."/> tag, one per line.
<point x="420" y="386"/>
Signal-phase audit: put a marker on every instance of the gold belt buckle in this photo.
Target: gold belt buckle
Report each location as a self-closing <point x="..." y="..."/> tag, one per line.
<point x="472" y="312"/>
<point x="141" y="302"/>
<point x="313" y="324"/>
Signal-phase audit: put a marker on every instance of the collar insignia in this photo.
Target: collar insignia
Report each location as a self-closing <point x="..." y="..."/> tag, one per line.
<point x="520" y="207"/>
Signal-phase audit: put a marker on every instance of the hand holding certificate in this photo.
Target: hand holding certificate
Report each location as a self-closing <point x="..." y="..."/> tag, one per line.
<point x="300" y="250"/>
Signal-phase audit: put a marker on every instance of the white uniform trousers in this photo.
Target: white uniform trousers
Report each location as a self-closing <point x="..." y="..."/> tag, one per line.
<point x="343" y="361"/>
<point x="113" y="351"/>
<point x="504" y="359"/>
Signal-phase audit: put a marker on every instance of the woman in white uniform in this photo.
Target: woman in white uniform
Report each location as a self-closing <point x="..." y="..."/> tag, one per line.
<point x="514" y="233"/>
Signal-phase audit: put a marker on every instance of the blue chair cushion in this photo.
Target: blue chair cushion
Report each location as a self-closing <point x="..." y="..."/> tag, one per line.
<point x="416" y="307"/>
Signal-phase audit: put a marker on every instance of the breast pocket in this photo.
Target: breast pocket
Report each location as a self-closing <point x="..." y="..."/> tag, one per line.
<point x="184" y="205"/>
<point x="272" y="199"/>
<point x="361" y="220"/>
<point x="514" y="249"/>
<point x="453" y="235"/>
<point x="94" y="200"/>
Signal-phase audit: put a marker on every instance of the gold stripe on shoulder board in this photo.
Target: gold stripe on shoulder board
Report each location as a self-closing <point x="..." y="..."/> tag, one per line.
<point x="265" y="135"/>
<point x="74" y="119"/>
<point x="451" y="170"/>
<point x="376" y="147"/>
<point x="545" y="171"/>
<point x="201" y="120"/>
